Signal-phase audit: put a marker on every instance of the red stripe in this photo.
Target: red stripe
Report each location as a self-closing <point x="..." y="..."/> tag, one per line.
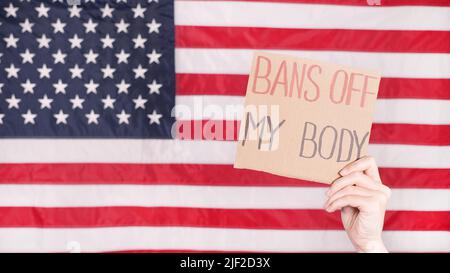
<point x="408" y="134"/>
<point x="313" y="39"/>
<point x="373" y="3"/>
<point x="201" y="217"/>
<point x="236" y="85"/>
<point x="193" y="174"/>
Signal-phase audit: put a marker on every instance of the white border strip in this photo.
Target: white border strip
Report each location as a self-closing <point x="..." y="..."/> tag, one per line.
<point x="188" y="152"/>
<point x="238" y="61"/>
<point x="206" y="239"/>
<point x="228" y="197"/>
<point x="288" y="15"/>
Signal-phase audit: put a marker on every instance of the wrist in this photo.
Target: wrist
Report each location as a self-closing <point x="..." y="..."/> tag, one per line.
<point x="376" y="246"/>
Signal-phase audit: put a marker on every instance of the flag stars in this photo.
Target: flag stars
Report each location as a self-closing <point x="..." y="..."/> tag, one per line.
<point x="139" y="72"/>
<point x="154" y="117"/>
<point x="139" y="42"/>
<point x="107" y="41"/>
<point x="45" y="102"/>
<point x="75" y="41"/>
<point x="28" y="87"/>
<point x="92" y="117"/>
<point x="29" y="117"/>
<point x="91" y="57"/>
<point x="154" y="87"/>
<point x="74" y="11"/>
<point x="107" y="11"/>
<point x="91" y="87"/>
<point x="108" y="102"/>
<point x="60" y="87"/>
<point x="59" y="57"/>
<point x="61" y="117"/>
<point x="154" y="57"/>
<point x="42" y="10"/>
<point x="122" y="57"/>
<point x="76" y="72"/>
<point x="13" y="72"/>
<point x="1" y="118"/>
<point x="123" y="87"/>
<point x="139" y="11"/>
<point x="77" y="102"/>
<point x="27" y="26"/>
<point x="58" y="26"/>
<point x="122" y="26"/>
<point x="139" y="102"/>
<point x="13" y="102"/>
<point x="123" y="117"/>
<point x="44" y="41"/>
<point x="153" y="26"/>
<point x="44" y="72"/>
<point x="11" y="41"/>
<point x="11" y="11"/>
<point x="27" y="56"/>
<point x="108" y="72"/>
<point x="90" y="26"/>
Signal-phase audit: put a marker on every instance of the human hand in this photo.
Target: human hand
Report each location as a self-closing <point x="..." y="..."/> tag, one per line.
<point x="362" y="199"/>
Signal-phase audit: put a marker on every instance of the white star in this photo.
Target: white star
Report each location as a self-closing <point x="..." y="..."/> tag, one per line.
<point x="107" y="11"/>
<point x="45" y="102"/>
<point x="90" y="26"/>
<point x="108" y="102"/>
<point x="122" y="57"/>
<point x="44" y="41"/>
<point x="123" y="87"/>
<point x="59" y="57"/>
<point x="13" y="102"/>
<point x="123" y="117"/>
<point x="154" y="57"/>
<point x="27" y="57"/>
<point x="42" y="10"/>
<point x="107" y="41"/>
<point x="118" y="1"/>
<point x="11" y="41"/>
<point x="154" y="117"/>
<point x="122" y="26"/>
<point x="44" y="71"/>
<point x="92" y="117"/>
<point x="91" y="87"/>
<point x="27" y="26"/>
<point x="154" y="87"/>
<point x="29" y="117"/>
<point x="1" y="86"/>
<point x="1" y="118"/>
<point x="77" y="102"/>
<point x="28" y="86"/>
<point x="13" y="72"/>
<point x="139" y="102"/>
<point x="1" y="54"/>
<point x="139" y="72"/>
<point x="11" y="11"/>
<point x="91" y="57"/>
<point x="139" y="41"/>
<point x="75" y="11"/>
<point x="76" y="72"/>
<point x="108" y="72"/>
<point x="60" y="87"/>
<point x="75" y="41"/>
<point x="156" y="1"/>
<point x="138" y="11"/>
<point x="153" y="26"/>
<point x="58" y="26"/>
<point x="61" y="117"/>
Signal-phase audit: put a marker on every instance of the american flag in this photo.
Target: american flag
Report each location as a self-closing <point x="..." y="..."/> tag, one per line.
<point x="89" y="162"/>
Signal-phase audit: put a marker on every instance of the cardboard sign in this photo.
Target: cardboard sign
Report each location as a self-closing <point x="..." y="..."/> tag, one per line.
<point x="303" y="118"/>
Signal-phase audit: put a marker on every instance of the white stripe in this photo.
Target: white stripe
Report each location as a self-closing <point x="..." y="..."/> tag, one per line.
<point x="238" y="61"/>
<point x="191" y="152"/>
<point x="202" y="197"/>
<point x="411" y="111"/>
<point x="285" y="15"/>
<point x="190" y="238"/>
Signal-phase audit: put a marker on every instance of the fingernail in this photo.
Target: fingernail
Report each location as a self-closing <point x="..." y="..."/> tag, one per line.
<point x="343" y="172"/>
